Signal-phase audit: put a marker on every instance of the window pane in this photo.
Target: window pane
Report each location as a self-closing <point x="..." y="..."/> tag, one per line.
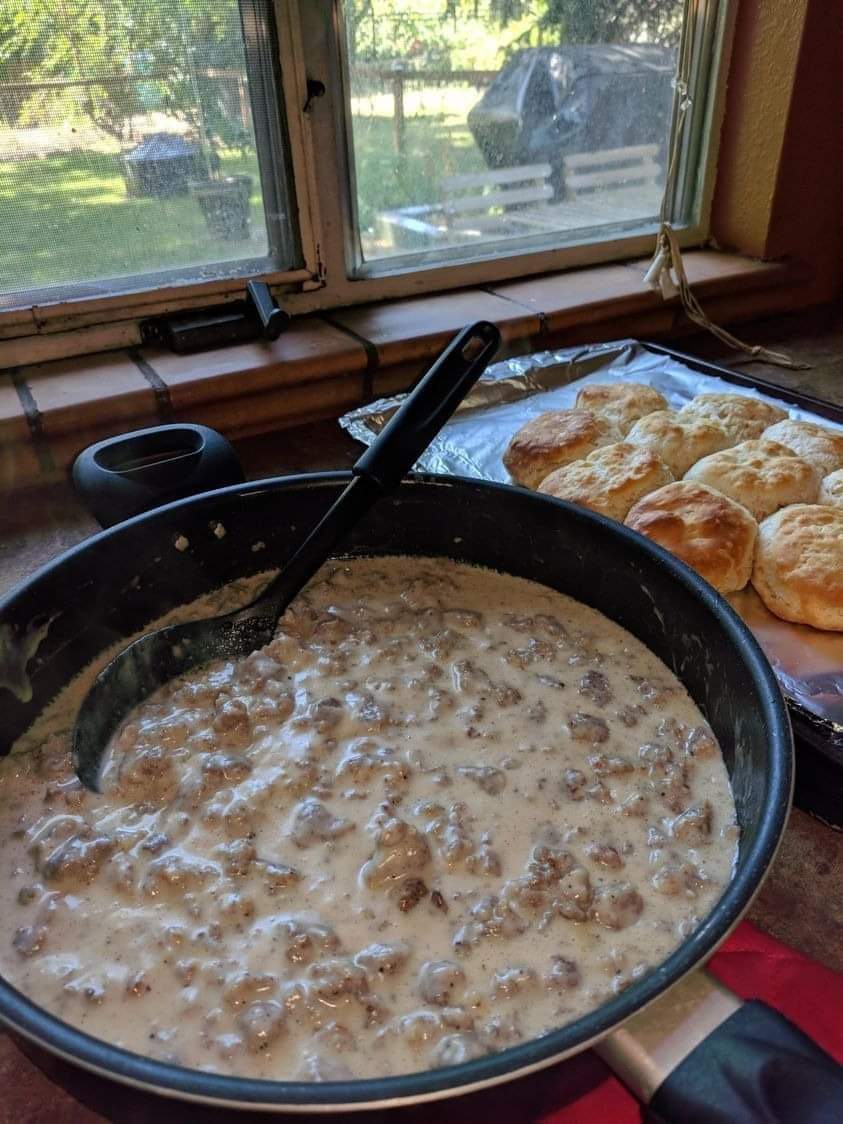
<point x="137" y="136"/>
<point x="478" y="121"/>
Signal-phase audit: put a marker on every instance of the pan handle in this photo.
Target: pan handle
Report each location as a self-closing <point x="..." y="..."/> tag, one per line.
<point x="701" y="1055"/>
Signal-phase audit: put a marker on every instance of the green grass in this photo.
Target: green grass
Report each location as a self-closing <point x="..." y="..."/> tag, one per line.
<point x="434" y="148"/>
<point x="67" y="218"/>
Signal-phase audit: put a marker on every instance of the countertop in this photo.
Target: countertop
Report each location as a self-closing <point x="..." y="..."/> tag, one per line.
<point x="800" y="903"/>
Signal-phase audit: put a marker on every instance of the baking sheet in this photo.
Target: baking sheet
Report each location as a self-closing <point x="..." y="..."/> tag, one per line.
<point x="808" y="662"/>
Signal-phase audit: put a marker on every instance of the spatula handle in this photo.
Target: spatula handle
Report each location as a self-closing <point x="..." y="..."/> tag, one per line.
<point x="429" y="405"/>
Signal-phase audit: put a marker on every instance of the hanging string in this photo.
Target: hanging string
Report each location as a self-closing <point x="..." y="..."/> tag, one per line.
<point x="666" y="273"/>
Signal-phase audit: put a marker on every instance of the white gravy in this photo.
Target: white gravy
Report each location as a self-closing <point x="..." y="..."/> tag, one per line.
<point x="443" y="811"/>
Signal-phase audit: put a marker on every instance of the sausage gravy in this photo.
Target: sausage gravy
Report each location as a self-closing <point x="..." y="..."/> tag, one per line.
<point x="443" y="811"/>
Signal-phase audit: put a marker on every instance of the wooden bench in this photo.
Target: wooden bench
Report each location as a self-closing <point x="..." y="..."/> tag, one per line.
<point x="474" y="204"/>
<point x="508" y="202"/>
<point x="634" y="166"/>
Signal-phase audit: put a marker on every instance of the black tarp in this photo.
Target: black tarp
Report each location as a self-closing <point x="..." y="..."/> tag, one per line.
<point x="550" y="102"/>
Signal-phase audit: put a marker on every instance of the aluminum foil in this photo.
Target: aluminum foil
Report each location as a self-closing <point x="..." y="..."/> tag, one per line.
<point x="808" y="662"/>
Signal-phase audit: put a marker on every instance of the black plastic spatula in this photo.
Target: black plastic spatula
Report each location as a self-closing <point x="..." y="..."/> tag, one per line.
<point x="158" y="657"/>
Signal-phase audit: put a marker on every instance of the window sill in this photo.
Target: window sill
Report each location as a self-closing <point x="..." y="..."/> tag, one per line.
<point x="327" y="363"/>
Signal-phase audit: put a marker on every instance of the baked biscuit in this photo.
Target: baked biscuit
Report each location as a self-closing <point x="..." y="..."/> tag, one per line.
<point x="798" y="571"/>
<point x="831" y="489"/>
<point x="711" y="533"/>
<point x="762" y="475"/>
<point x="819" y="446"/>
<point x="680" y="442"/>
<point x="743" y="417"/>
<point x="609" y="480"/>
<point x="622" y="403"/>
<point x="554" y="439"/>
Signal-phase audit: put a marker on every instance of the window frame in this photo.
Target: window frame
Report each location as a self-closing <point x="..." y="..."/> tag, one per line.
<point x="308" y="36"/>
<point x="349" y="284"/>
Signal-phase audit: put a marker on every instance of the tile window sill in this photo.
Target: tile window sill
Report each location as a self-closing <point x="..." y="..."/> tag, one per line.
<point x="325" y="364"/>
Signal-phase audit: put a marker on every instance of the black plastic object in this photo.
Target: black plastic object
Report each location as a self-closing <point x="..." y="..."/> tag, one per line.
<point x="261" y="304"/>
<point x="159" y="656"/>
<point x="551" y="102"/>
<point x="755" y="1068"/>
<point x="316" y="88"/>
<point x="256" y="317"/>
<point x="123" y="476"/>
<point x="438" y="393"/>
<point x="117" y="582"/>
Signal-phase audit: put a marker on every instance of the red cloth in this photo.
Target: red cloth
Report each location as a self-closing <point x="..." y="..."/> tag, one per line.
<point x="582" y="1090"/>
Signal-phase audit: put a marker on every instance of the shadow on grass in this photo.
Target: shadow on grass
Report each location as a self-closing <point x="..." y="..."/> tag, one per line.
<point x="68" y="218"/>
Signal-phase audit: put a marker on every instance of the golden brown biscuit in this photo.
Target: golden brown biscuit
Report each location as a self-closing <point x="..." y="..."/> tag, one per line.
<point x="609" y="480"/>
<point x="554" y="439"/>
<point x="798" y="571"/>
<point x="819" y="446"/>
<point x="711" y="533"/>
<point x="762" y="475"/>
<point x="743" y="417"/>
<point x="621" y="402"/>
<point x="831" y="489"/>
<point x="680" y="442"/>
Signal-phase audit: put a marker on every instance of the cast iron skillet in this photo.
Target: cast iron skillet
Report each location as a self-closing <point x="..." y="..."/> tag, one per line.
<point x="119" y="581"/>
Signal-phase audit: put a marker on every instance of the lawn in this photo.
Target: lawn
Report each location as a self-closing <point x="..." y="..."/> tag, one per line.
<point x="434" y="148"/>
<point x="67" y="217"/>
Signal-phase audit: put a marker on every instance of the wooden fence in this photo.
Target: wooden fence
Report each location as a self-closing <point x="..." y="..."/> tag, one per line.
<point x="393" y="79"/>
<point x="232" y="84"/>
<point x="397" y="79"/>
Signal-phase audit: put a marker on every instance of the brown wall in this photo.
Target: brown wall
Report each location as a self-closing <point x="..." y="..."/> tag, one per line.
<point x="779" y="186"/>
<point x="808" y="211"/>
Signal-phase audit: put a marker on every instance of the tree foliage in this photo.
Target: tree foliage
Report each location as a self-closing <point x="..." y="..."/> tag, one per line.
<point x="545" y="21"/>
<point x="612" y="21"/>
<point x="137" y="52"/>
<point x="157" y="53"/>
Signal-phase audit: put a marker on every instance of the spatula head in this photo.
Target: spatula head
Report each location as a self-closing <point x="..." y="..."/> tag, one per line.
<point x="147" y="664"/>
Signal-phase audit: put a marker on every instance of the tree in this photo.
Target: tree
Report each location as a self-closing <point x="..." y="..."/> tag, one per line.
<point x="581" y="21"/>
<point x="387" y="30"/>
<point x="135" y="48"/>
<point x="613" y="21"/>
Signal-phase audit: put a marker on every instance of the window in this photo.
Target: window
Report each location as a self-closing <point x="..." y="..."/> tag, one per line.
<point x="474" y="125"/>
<point x="154" y="153"/>
<point x="138" y="137"/>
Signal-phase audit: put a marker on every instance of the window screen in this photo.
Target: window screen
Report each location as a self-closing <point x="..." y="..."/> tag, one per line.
<point x="139" y="137"/>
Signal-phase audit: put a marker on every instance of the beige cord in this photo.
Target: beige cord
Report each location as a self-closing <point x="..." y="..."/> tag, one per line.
<point x="666" y="273"/>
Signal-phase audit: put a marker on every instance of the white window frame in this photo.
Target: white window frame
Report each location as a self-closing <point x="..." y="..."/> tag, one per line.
<point x="309" y="34"/>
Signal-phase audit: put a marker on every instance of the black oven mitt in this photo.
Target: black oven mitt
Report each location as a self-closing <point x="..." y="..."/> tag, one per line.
<point x="755" y="1068"/>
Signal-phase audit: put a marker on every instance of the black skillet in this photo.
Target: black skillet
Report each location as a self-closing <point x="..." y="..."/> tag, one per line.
<point x="696" y="1055"/>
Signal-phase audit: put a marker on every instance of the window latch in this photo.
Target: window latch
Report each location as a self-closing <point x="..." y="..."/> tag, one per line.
<point x="261" y="303"/>
<point x="256" y="317"/>
<point x="315" y="89"/>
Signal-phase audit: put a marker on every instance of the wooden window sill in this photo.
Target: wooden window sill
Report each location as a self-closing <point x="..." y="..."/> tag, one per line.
<point x="327" y="363"/>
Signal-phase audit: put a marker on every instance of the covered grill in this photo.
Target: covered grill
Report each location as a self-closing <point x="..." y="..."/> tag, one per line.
<point x="161" y="165"/>
<point x="551" y="102"/>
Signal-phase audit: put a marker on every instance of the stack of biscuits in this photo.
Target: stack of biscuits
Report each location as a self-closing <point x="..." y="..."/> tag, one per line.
<point x="729" y="484"/>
